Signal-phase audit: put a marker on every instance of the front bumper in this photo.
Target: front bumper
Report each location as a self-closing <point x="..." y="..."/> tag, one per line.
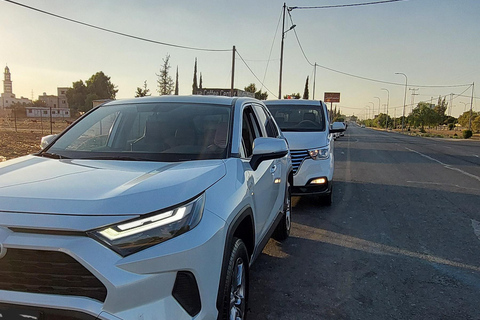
<point x="138" y="286"/>
<point x="309" y="170"/>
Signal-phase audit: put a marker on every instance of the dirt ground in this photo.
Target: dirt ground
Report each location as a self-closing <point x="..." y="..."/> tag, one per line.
<point x="26" y="138"/>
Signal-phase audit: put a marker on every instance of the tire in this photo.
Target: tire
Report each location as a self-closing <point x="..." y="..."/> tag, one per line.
<point x="282" y="231"/>
<point x="235" y="291"/>
<point x="327" y="199"/>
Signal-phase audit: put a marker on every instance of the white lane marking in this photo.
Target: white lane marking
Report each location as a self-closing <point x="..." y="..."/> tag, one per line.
<point x="442" y="184"/>
<point x="476" y="228"/>
<point x="476" y="156"/>
<point x="445" y="165"/>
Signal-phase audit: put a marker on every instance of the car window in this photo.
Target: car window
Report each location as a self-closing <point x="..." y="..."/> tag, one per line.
<point x="294" y="117"/>
<point x="266" y="121"/>
<point x="250" y="131"/>
<point x="161" y="131"/>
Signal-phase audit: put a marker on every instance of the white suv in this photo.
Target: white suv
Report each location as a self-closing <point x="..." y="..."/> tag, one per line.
<point x="151" y="208"/>
<point x="307" y="128"/>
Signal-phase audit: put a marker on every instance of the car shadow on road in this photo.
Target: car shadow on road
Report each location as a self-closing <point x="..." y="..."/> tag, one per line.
<point x="368" y="259"/>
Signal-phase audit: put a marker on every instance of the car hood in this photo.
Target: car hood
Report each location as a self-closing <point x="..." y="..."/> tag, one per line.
<point x="306" y="140"/>
<point x="101" y="187"/>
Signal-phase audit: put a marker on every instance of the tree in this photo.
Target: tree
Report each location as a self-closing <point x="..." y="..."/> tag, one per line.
<point x="176" y="83"/>
<point x="81" y="95"/>
<point x="440" y="109"/>
<point x="195" y="85"/>
<point x="200" y="86"/>
<point x="258" y="94"/>
<point x="305" y="91"/>
<point x="142" y="92"/>
<point x="165" y="82"/>
<point x="464" y="120"/>
<point x="423" y="115"/>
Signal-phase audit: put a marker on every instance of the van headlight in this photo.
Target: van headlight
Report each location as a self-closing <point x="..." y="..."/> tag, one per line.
<point x="148" y="230"/>
<point x="320" y="153"/>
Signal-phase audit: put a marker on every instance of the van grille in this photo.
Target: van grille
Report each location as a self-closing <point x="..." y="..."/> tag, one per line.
<point x="297" y="158"/>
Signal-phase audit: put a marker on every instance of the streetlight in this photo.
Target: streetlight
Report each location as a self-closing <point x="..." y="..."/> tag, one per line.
<point x="373" y="110"/>
<point x="368" y="112"/>
<point x="378" y="104"/>
<point x="404" y="99"/>
<point x="388" y="102"/>
<point x="464" y="105"/>
<point x="281" y="50"/>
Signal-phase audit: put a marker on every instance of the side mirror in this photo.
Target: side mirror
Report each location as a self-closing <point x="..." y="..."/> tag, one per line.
<point x="337" y="127"/>
<point x="267" y="149"/>
<point x="47" y="140"/>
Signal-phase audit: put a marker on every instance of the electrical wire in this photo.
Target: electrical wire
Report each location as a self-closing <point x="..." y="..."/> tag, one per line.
<point x="345" y="5"/>
<point x="116" y="32"/>
<point x="271" y="48"/>
<point x="248" y="67"/>
<point x="365" y="78"/>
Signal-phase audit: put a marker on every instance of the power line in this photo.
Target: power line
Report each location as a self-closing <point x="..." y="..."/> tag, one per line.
<point x="248" y="67"/>
<point x="116" y="32"/>
<point x="365" y="78"/>
<point x="346" y="5"/>
<point x="271" y="49"/>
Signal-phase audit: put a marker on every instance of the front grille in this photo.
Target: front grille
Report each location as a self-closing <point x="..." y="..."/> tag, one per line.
<point x="297" y="158"/>
<point x="49" y="272"/>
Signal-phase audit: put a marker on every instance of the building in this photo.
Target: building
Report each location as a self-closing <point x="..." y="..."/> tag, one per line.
<point x="8" y="97"/>
<point x="56" y="105"/>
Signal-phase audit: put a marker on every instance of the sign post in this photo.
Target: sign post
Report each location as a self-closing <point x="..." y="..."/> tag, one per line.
<point x="331" y="97"/>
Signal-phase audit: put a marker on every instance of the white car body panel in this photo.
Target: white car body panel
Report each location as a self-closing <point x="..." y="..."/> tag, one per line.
<point x="49" y="205"/>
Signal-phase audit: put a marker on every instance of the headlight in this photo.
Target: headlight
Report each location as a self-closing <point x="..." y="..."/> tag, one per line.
<point x="319" y="154"/>
<point x="148" y="230"/>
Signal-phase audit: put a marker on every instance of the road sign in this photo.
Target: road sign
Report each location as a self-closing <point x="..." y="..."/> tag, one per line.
<point x="331" y="97"/>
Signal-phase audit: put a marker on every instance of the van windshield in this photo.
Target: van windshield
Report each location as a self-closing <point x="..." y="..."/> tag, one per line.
<point x="298" y="117"/>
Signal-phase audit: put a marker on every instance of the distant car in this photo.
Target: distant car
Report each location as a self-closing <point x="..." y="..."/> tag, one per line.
<point x="150" y="208"/>
<point x="339" y="125"/>
<point x="306" y="126"/>
<point x="362" y="126"/>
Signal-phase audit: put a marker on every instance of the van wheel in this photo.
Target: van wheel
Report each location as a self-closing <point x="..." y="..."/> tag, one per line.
<point x="282" y="231"/>
<point x="235" y="291"/>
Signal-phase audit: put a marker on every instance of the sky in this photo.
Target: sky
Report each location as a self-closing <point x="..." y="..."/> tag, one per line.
<point x="358" y="49"/>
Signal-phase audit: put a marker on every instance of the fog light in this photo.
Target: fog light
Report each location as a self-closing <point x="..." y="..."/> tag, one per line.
<point x="277" y="180"/>
<point x="318" y="181"/>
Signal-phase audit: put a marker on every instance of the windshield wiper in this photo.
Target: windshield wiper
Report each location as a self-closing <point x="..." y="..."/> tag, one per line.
<point x="120" y="158"/>
<point x="52" y="155"/>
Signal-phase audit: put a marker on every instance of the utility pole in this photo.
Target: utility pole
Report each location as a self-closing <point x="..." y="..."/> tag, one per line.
<point x="233" y="71"/>
<point x="281" y="52"/>
<point x="388" y="102"/>
<point x="314" y="78"/>
<point x="451" y="104"/>
<point x="414" y="90"/>
<point x="404" y="99"/>
<point x="471" y="108"/>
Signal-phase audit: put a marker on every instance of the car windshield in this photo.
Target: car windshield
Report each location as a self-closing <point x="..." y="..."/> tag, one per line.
<point x="147" y="131"/>
<point x="298" y="117"/>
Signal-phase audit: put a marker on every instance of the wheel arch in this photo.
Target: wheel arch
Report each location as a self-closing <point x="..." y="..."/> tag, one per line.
<point x="242" y="227"/>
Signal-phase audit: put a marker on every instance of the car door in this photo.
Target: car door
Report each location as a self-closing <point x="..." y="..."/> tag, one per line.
<point x="261" y="182"/>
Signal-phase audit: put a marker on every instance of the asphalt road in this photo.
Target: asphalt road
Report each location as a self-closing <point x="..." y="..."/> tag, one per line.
<point x="401" y="240"/>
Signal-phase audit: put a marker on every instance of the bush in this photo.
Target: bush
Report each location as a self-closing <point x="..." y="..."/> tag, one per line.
<point x="467" y="134"/>
<point x="451" y="126"/>
<point x="422" y="130"/>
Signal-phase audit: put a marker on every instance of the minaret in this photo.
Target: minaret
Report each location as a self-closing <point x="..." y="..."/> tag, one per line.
<point x="7" y="82"/>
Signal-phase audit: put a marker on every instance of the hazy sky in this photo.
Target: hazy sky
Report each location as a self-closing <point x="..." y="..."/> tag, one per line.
<point x="433" y="42"/>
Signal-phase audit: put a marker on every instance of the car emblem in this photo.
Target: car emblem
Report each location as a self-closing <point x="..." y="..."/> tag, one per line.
<point x="3" y="251"/>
